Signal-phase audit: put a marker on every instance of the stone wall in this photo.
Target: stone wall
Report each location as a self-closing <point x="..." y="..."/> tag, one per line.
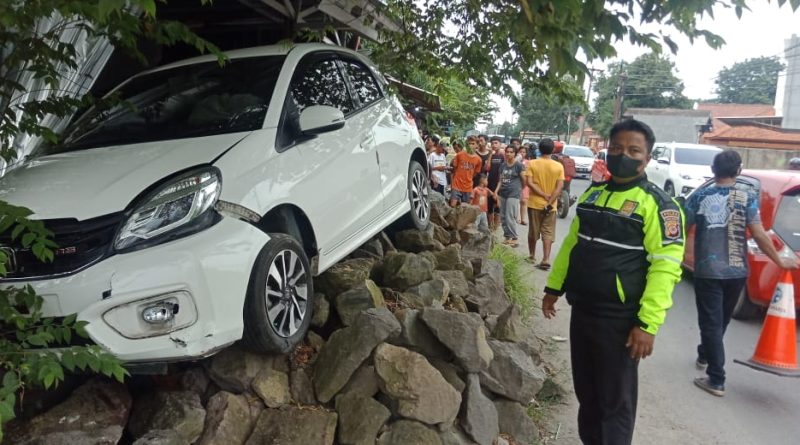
<point x="764" y="158"/>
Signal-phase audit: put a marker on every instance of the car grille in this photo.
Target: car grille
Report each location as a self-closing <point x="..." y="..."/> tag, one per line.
<point x="80" y="243"/>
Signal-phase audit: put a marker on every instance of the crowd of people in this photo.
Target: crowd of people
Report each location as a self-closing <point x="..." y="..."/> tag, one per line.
<point x="513" y="184"/>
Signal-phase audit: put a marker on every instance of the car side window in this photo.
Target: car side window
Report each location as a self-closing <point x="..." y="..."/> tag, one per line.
<point x="364" y="85"/>
<point x="321" y="84"/>
<point x="666" y="154"/>
<point x="657" y="153"/>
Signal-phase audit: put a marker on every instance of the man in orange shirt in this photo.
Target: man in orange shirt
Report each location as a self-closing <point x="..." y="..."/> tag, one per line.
<point x="545" y="179"/>
<point x="465" y="167"/>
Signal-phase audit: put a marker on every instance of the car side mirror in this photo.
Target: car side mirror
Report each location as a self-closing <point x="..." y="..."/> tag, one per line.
<point x="318" y="119"/>
<point x="663" y="161"/>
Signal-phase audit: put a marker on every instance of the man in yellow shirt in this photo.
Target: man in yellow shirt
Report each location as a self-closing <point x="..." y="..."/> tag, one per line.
<point x="545" y="180"/>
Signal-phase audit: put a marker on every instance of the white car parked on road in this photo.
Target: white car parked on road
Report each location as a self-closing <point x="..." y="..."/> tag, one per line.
<point x="198" y="213"/>
<point x="583" y="157"/>
<point x="679" y="168"/>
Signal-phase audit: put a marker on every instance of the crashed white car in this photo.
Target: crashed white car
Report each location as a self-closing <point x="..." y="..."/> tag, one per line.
<point x="197" y="212"/>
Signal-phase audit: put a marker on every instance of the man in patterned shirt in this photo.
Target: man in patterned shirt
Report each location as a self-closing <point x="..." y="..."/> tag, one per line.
<point x="722" y="213"/>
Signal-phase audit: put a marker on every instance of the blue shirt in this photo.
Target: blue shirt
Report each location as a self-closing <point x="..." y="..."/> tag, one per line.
<point x="722" y="214"/>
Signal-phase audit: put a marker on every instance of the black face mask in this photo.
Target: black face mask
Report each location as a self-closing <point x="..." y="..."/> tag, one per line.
<point x="623" y="166"/>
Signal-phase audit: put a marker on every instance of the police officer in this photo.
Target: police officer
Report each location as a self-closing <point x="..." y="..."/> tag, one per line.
<point x="618" y="266"/>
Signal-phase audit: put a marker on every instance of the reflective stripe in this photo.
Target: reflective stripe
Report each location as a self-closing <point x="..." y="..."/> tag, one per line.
<point x="611" y="243"/>
<point x="620" y="290"/>
<point x="662" y="257"/>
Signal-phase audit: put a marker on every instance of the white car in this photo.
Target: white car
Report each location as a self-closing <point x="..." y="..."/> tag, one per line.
<point x="584" y="159"/>
<point x="679" y="168"/>
<point x="198" y="212"/>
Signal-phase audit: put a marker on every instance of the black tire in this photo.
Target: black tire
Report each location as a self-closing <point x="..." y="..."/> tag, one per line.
<point x="746" y="309"/>
<point x="563" y="204"/>
<point x="669" y="189"/>
<point x="272" y="290"/>
<point x="419" y="217"/>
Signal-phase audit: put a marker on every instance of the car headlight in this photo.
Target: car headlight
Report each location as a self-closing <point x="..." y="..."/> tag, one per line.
<point x="180" y="207"/>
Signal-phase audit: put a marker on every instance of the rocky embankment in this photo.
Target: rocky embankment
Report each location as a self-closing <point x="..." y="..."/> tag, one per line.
<point x="413" y="341"/>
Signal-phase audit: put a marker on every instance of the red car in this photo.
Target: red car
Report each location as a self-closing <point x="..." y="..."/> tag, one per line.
<point x="779" y="191"/>
<point x="600" y="168"/>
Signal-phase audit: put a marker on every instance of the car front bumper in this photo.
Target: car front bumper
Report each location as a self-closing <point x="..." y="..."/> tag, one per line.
<point x="206" y="274"/>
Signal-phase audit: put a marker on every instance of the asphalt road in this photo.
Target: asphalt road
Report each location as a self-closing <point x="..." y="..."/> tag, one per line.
<point x="758" y="408"/>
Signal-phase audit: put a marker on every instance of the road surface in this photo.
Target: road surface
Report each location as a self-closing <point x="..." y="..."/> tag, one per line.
<point x="758" y="408"/>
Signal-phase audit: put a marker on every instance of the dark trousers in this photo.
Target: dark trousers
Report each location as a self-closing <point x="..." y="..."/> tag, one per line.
<point x="438" y="188"/>
<point x="715" y="302"/>
<point x="605" y="378"/>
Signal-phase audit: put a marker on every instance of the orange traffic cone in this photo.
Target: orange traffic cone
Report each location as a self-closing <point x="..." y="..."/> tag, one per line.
<point x="776" y="351"/>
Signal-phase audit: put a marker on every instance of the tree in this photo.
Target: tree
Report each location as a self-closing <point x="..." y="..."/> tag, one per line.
<point x="32" y="46"/>
<point x="545" y="112"/>
<point x="650" y="82"/>
<point x="532" y="42"/>
<point x="753" y="81"/>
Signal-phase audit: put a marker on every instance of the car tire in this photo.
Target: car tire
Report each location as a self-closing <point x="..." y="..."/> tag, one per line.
<point x="281" y="287"/>
<point x="746" y="309"/>
<point x="563" y="204"/>
<point x="669" y="189"/>
<point x="419" y="217"/>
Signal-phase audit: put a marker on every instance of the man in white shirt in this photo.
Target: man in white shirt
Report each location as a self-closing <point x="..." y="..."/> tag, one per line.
<point x="438" y="165"/>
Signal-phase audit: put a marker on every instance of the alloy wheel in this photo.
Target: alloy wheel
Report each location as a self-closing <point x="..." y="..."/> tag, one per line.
<point x="419" y="196"/>
<point x="287" y="293"/>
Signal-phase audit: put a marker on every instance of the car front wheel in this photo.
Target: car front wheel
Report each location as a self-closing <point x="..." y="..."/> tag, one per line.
<point x="419" y="195"/>
<point x="279" y="304"/>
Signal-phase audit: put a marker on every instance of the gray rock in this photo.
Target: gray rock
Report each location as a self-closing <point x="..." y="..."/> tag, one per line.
<point x="441" y="234"/>
<point x="551" y="390"/>
<point x="439" y="213"/>
<point x="371" y="249"/>
<point x="161" y="437"/>
<point x="430" y="256"/>
<point x="449" y="372"/>
<point x="364" y="382"/>
<point x="322" y="310"/>
<point x="475" y="244"/>
<point x="360" y="418"/>
<point x="273" y="388"/>
<point x="494" y="270"/>
<point x="294" y="426"/>
<point x="421" y="391"/>
<point x="95" y="413"/>
<point x="387" y="244"/>
<point x="457" y="304"/>
<point x="195" y="380"/>
<point x="455" y="436"/>
<point x="402" y="270"/>
<point x="416" y="241"/>
<point x="449" y="258"/>
<point x="407" y="432"/>
<point x="512" y="373"/>
<point x="479" y="416"/>
<point x="315" y="341"/>
<point x="233" y="369"/>
<point x="463" y="334"/>
<point x="344" y="276"/>
<point x="515" y="422"/>
<point x="413" y="301"/>
<point x="501" y="441"/>
<point x="491" y="322"/>
<point x="228" y="420"/>
<point x="510" y="326"/>
<point x="433" y="292"/>
<point x="417" y="336"/>
<point x="350" y="303"/>
<point x="463" y="216"/>
<point x="301" y="387"/>
<point x="180" y="411"/>
<point x="486" y="297"/>
<point x="347" y="349"/>
<point x="459" y="286"/>
<point x="466" y="267"/>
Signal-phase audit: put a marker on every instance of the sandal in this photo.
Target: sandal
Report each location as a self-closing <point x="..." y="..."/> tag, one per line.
<point x="543" y="266"/>
<point x="530" y="260"/>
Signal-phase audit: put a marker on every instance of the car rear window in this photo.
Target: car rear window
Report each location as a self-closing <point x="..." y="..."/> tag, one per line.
<point x="194" y="100"/>
<point x="581" y="152"/>
<point x="694" y="156"/>
<point x="786" y="220"/>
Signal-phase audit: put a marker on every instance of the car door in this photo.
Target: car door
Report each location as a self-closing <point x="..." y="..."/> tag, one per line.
<point x="655" y="172"/>
<point x="340" y="174"/>
<point x="393" y="134"/>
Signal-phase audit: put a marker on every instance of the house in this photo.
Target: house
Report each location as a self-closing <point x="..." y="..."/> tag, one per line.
<point x="672" y="124"/>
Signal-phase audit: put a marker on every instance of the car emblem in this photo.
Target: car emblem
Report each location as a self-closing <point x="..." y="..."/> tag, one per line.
<point x="11" y="259"/>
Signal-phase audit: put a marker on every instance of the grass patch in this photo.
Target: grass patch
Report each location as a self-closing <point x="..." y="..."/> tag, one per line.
<point x="518" y="287"/>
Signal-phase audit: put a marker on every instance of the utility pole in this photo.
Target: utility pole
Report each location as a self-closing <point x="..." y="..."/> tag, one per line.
<point x="620" y="96"/>
<point x="588" y="93"/>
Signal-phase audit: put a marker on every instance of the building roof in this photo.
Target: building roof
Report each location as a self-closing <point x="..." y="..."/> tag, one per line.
<point x="737" y="110"/>
<point x="755" y="135"/>
<point x="666" y="112"/>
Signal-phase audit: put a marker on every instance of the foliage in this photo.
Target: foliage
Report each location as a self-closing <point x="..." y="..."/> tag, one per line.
<point x="542" y="111"/>
<point x="33" y="46"/>
<point x="753" y="81"/>
<point x="518" y="288"/>
<point x="650" y="83"/>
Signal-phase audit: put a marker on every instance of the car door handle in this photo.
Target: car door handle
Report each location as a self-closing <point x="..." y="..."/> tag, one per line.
<point x="378" y="157"/>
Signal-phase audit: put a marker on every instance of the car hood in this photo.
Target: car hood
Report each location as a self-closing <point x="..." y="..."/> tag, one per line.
<point x="695" y="171"/>
<point x="583" y="160"/>
<point x="88" y="183"/>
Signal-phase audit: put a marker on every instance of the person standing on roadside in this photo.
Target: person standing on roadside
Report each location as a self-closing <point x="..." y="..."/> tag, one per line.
<point x="496" y="161"/>
<point x="508" y="191"/>
<point x="485" y="154"/>
<point x="723" y="212"/>
<point x="437" y="161"/>
<point x="523" y="197"/>
<point x="545" y="179"/>
<point x="466" y="167"/>
<point x="618" y="265"/>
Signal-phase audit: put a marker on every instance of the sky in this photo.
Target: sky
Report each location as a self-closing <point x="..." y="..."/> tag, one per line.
<point x="760" y="32"/>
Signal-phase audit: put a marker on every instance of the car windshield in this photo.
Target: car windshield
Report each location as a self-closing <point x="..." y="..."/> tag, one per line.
<point x="786" y="220"/>
<point x="694" y="156"/>
<point x="187" y="101"/>
<point x="581" y="152"/>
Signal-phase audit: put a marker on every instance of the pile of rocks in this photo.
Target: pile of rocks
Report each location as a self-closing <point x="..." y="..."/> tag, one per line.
<point x="413" y="344"/>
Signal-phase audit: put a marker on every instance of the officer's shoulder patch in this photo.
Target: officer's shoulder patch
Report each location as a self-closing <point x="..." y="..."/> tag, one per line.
<point x="628" y="207"/>
<point x="671" y="223"/>
<point x="593" y="197"/>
